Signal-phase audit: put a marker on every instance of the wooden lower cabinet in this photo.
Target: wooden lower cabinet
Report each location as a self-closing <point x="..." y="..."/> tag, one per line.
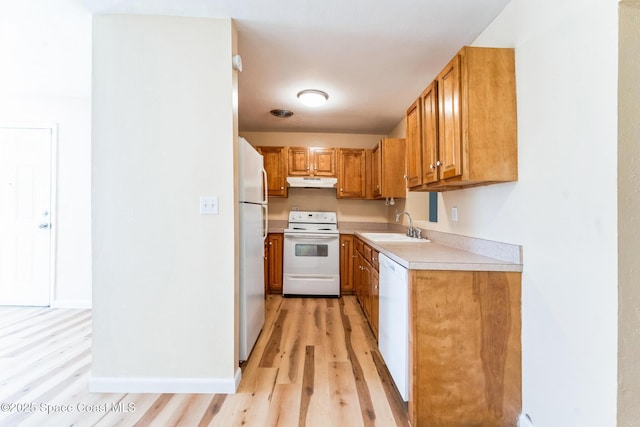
<point x="464" y="348"/>
<point x="346" y="264"/>
<point x="273" y="263"/>
<point x="366" y="282"/>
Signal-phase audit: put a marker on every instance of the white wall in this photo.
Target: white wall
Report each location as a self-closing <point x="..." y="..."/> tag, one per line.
<point x="164" y="276"/>
<point x="45" y="79"/>
<point x="562" y="210"/>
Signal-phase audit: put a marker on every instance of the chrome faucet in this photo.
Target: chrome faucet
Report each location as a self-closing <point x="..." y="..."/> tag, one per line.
<point x="411" y="231"/>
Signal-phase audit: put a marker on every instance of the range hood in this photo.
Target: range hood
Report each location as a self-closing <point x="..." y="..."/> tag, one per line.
<point x="311" y="182"/>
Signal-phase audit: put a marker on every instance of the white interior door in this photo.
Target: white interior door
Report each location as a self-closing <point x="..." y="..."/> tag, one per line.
<point x="25" y="216"/>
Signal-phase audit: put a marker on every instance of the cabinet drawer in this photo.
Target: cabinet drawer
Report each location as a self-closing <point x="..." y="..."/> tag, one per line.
<point x="360" y="246"/>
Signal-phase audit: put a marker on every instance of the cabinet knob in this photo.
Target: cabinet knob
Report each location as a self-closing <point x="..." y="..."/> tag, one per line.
<point x="343" y="245"/>
<point x="405" y="176"/>
<point x="438" y="163"/>
<point x="282" y="188"/>
<point x="341" y="190"/>
<point x="270" y="243"/>
<point x="432" y="166"/>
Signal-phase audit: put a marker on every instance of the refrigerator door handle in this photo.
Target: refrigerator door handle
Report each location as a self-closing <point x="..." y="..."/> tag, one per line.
<point x="265" y="230"/>
<point x="265" y="188"/>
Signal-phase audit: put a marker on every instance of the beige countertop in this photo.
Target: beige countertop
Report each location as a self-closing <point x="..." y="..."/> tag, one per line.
<point x="444" y="252"/>
<point x="438" y="256"/>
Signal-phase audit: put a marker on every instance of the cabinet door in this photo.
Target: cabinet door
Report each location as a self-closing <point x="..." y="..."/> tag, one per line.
<point x="429" y="133"/>
<point x="450" y="139"/>
<point x="346" y="264"/>
<point x="274" y="258"/>
<point x="324" y="162"/>
<point x="414" y="146"/>
<point x="358" y="275"/>
<point x="366" y="288"/>
<point x="376" y="170"/>
<point x="375" y="301"/>
<point x="275" y="159"/>
<point x="298" y="161"/>
<point x="351" y="173"/>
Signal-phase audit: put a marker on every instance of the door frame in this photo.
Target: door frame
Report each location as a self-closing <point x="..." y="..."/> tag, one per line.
<point x="53" y="194"/>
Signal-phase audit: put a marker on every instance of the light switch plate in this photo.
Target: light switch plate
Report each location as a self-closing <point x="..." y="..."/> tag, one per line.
<point x="208" y="205"/>
<point x="454" y="214"/>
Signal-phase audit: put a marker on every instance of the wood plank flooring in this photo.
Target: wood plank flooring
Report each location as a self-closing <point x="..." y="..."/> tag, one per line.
<point x="316" y="363"/>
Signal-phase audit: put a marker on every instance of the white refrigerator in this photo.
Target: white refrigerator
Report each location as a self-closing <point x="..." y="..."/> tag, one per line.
<point x="253" y="232"/>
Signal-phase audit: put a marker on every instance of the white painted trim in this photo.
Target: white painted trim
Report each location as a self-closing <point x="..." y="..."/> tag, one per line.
<point x="53" y="212"/>
<point x="238" y="377"/>
<point x="164" y="385"/>
<point x="72" y="303"/>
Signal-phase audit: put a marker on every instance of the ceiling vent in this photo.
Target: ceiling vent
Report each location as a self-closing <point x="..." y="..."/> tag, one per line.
<point x="281" y="113"/>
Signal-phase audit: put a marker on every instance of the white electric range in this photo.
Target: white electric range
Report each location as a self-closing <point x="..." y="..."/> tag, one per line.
<point x="311" y="258"/>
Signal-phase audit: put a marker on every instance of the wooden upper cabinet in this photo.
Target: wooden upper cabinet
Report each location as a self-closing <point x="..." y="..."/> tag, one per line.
<point x="414" y="150"/>
<point x="449" y="161"/>
<point x="429" y="133"/>
<point x="306" y="161"/>
<point x="468" y="124"/>
<point x="298" y="161"/>
<point x="324" y="161"/>
<point x="352" y="173"/>
<point x="376" y="171"/>
<point x="275" y="163"/>
<point x="388" y="168"/>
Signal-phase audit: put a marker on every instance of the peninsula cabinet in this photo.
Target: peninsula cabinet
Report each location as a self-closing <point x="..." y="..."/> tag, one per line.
<point x="464" y="348"/>
<point x="312" y="161"/>
<point x="275" y="163"/>
<point x="352" y="168"/>
<point x="273" y="262"/>
<point x="463" y="127"/>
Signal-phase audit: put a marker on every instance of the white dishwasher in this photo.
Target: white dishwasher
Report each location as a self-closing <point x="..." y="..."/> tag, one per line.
<point x="393" y="322"/>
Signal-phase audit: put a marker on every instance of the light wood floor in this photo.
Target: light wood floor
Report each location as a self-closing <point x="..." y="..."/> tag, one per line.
<point x="315" y="364"/>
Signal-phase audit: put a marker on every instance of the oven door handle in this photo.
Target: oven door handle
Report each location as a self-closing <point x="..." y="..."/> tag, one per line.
<point x="311" y="236"/>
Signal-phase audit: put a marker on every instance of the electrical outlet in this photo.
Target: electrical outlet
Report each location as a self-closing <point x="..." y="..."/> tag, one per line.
<point x="208" y="205"/>
<point x="454" y="214"/>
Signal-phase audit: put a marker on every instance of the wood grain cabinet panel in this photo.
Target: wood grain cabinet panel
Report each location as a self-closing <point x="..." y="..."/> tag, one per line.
<point x="324" y="162"/>
<point x="273" y="265"/>
<point x="428" y="129"/>
<point x="311" y="161"/>
<point x="366" y="282"/>
<point x="352" y="164"/>
<point x="275" y="163"/>
<point x="414" y="150"/>
<point x="388" y="168"/>
<point x="346" y="264"/>
<point x="468" y="125"/>
<point x="464" y="348"/>
<point x="298" y="162"/>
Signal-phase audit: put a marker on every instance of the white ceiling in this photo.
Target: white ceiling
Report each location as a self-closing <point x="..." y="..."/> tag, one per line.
<point x="373" y="57"/>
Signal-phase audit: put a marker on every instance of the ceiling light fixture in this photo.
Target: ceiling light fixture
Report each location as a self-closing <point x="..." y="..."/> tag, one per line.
<point x="312" y="97"/>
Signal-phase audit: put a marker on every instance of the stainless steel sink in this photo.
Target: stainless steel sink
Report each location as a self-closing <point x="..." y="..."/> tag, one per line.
<point x="392" y="237"/>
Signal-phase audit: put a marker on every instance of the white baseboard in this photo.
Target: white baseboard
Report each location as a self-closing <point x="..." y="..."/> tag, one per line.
<point x="72" y="303"/>
<point x="165" y="385"/>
